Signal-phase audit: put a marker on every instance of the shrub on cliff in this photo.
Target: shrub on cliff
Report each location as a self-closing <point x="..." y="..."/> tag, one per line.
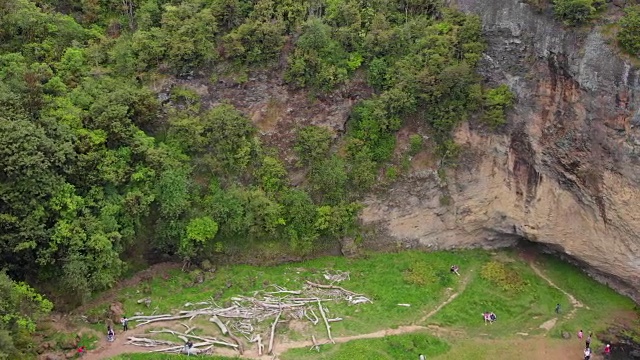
<point x="629" y="34"/>
<point x="496" y="102"/>
<point x="573" y="12"/>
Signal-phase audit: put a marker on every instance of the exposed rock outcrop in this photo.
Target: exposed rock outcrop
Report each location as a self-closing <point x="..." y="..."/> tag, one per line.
<point x="565" y="172"/>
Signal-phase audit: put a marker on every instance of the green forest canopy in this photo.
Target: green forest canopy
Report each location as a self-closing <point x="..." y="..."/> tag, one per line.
<point x="92" y="164"/>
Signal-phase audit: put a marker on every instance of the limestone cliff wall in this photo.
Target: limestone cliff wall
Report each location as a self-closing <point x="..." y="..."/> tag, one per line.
<point x="565" y="171"/>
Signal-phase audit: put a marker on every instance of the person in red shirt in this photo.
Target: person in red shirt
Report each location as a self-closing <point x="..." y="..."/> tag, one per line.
<point x="81" y="351"/>
<point x="607" y="351"/>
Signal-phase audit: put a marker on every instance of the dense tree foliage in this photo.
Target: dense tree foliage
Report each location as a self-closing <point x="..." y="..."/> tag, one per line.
<point x="574" y="12"/>
<point x="92" y="163"/>
<point x="496" y="102"/>
<point x="20" y="308"/>
<point x="629" y="34"/>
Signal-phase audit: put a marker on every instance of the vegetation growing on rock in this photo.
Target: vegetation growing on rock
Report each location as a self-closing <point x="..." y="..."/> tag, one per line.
<point x="629" y="33"/>
<point x="574" y="12"/>
<point x="94" y="166"/>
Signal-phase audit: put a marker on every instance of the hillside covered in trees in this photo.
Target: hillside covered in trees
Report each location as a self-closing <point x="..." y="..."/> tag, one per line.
<point x="94" y="165"/>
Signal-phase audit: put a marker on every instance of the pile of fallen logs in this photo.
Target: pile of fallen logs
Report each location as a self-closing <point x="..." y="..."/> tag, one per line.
<point x="244" y="314"/>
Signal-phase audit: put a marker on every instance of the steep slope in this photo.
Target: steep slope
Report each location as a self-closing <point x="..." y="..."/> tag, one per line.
<point x="564" y="173"/>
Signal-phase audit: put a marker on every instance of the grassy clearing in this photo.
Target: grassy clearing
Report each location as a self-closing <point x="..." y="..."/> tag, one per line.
<point x="417" y="278"/>
<point x="406" y="346"/>
<point x="499" y="282"/>
<point x="522" y="301"/>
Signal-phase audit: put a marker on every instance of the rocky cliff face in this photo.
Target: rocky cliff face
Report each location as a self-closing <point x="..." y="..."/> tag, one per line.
<point x="565" y="172"/>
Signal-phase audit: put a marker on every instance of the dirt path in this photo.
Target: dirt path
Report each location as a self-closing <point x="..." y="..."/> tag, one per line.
<point x="107" y="350"/>
<point x="462" y="286"/>
<point x="575" y="303"/>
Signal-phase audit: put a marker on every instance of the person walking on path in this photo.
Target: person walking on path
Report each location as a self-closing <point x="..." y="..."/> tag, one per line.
<point x="587" y="354"/>
<point x="580" y="334"/>
<point x="125" y="323"/>
<point x="111" y="335"/>
<point x="557" y="308"/>
<point x="588" y="341"/>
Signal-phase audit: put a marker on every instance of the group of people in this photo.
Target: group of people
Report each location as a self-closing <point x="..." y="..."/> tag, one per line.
<point x="587" y="349"/>
<point x="111" y="335"/>
<point x="489" y="317"/>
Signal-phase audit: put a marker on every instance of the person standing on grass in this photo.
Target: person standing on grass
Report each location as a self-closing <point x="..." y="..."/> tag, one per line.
<point x="588" y="341"/>
<point x="421" y="357"/>
<point x="580" y="334"/>
<point x="125" y="323"/>
<point x="557" y="308"/>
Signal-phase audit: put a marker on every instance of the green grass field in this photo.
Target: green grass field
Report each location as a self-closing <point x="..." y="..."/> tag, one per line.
<point x="500" y="282"/>
<point x="395" y="347"/>
<point x="416" y="278"/>
<point x="517" y="311"/>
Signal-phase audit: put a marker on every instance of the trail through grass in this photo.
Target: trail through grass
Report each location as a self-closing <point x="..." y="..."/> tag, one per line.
<point x="500" y="282"/>
<point x="415" y="278"/>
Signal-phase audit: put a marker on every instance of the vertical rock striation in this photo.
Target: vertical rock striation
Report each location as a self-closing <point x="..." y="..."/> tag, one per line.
<point x="566" y="170"/>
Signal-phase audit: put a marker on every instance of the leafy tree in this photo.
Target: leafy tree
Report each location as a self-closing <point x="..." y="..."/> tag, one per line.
<point x="329" y="179"/>
<point x="312" y="144"/>
<point x="629" y="34"/>
<point x="272" y="174"/>
<point x="318" y="61"/>
<point x="255" y="42"/>
<point x="93" y="166"/>
<point x="72" y="66"/>
<point x="496" y="102"/>
<point x="574" y="12"/>
<point x="20" y="308"/>
<point x="199" y="231"/>
<point x="300" y="219"/>
<point x="229" y="136"/>
<point x="338" y="220"/>
<point x="188" y="31"/>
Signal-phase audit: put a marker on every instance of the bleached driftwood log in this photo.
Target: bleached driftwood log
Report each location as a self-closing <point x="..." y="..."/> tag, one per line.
<point x="208" y="340"/>
<point x="146" y="301"/>
<point x="148" y="317"/>
<point x="240" y="347"/>
<point x="214" y="319"/>
<point x="326" y="322"/>
<point x="332" y="287"/>
<point x="138" y="341"/>
<point x="258" y="339"/>
<point x="315" y="344"/>
<point x="273" y="330"/>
